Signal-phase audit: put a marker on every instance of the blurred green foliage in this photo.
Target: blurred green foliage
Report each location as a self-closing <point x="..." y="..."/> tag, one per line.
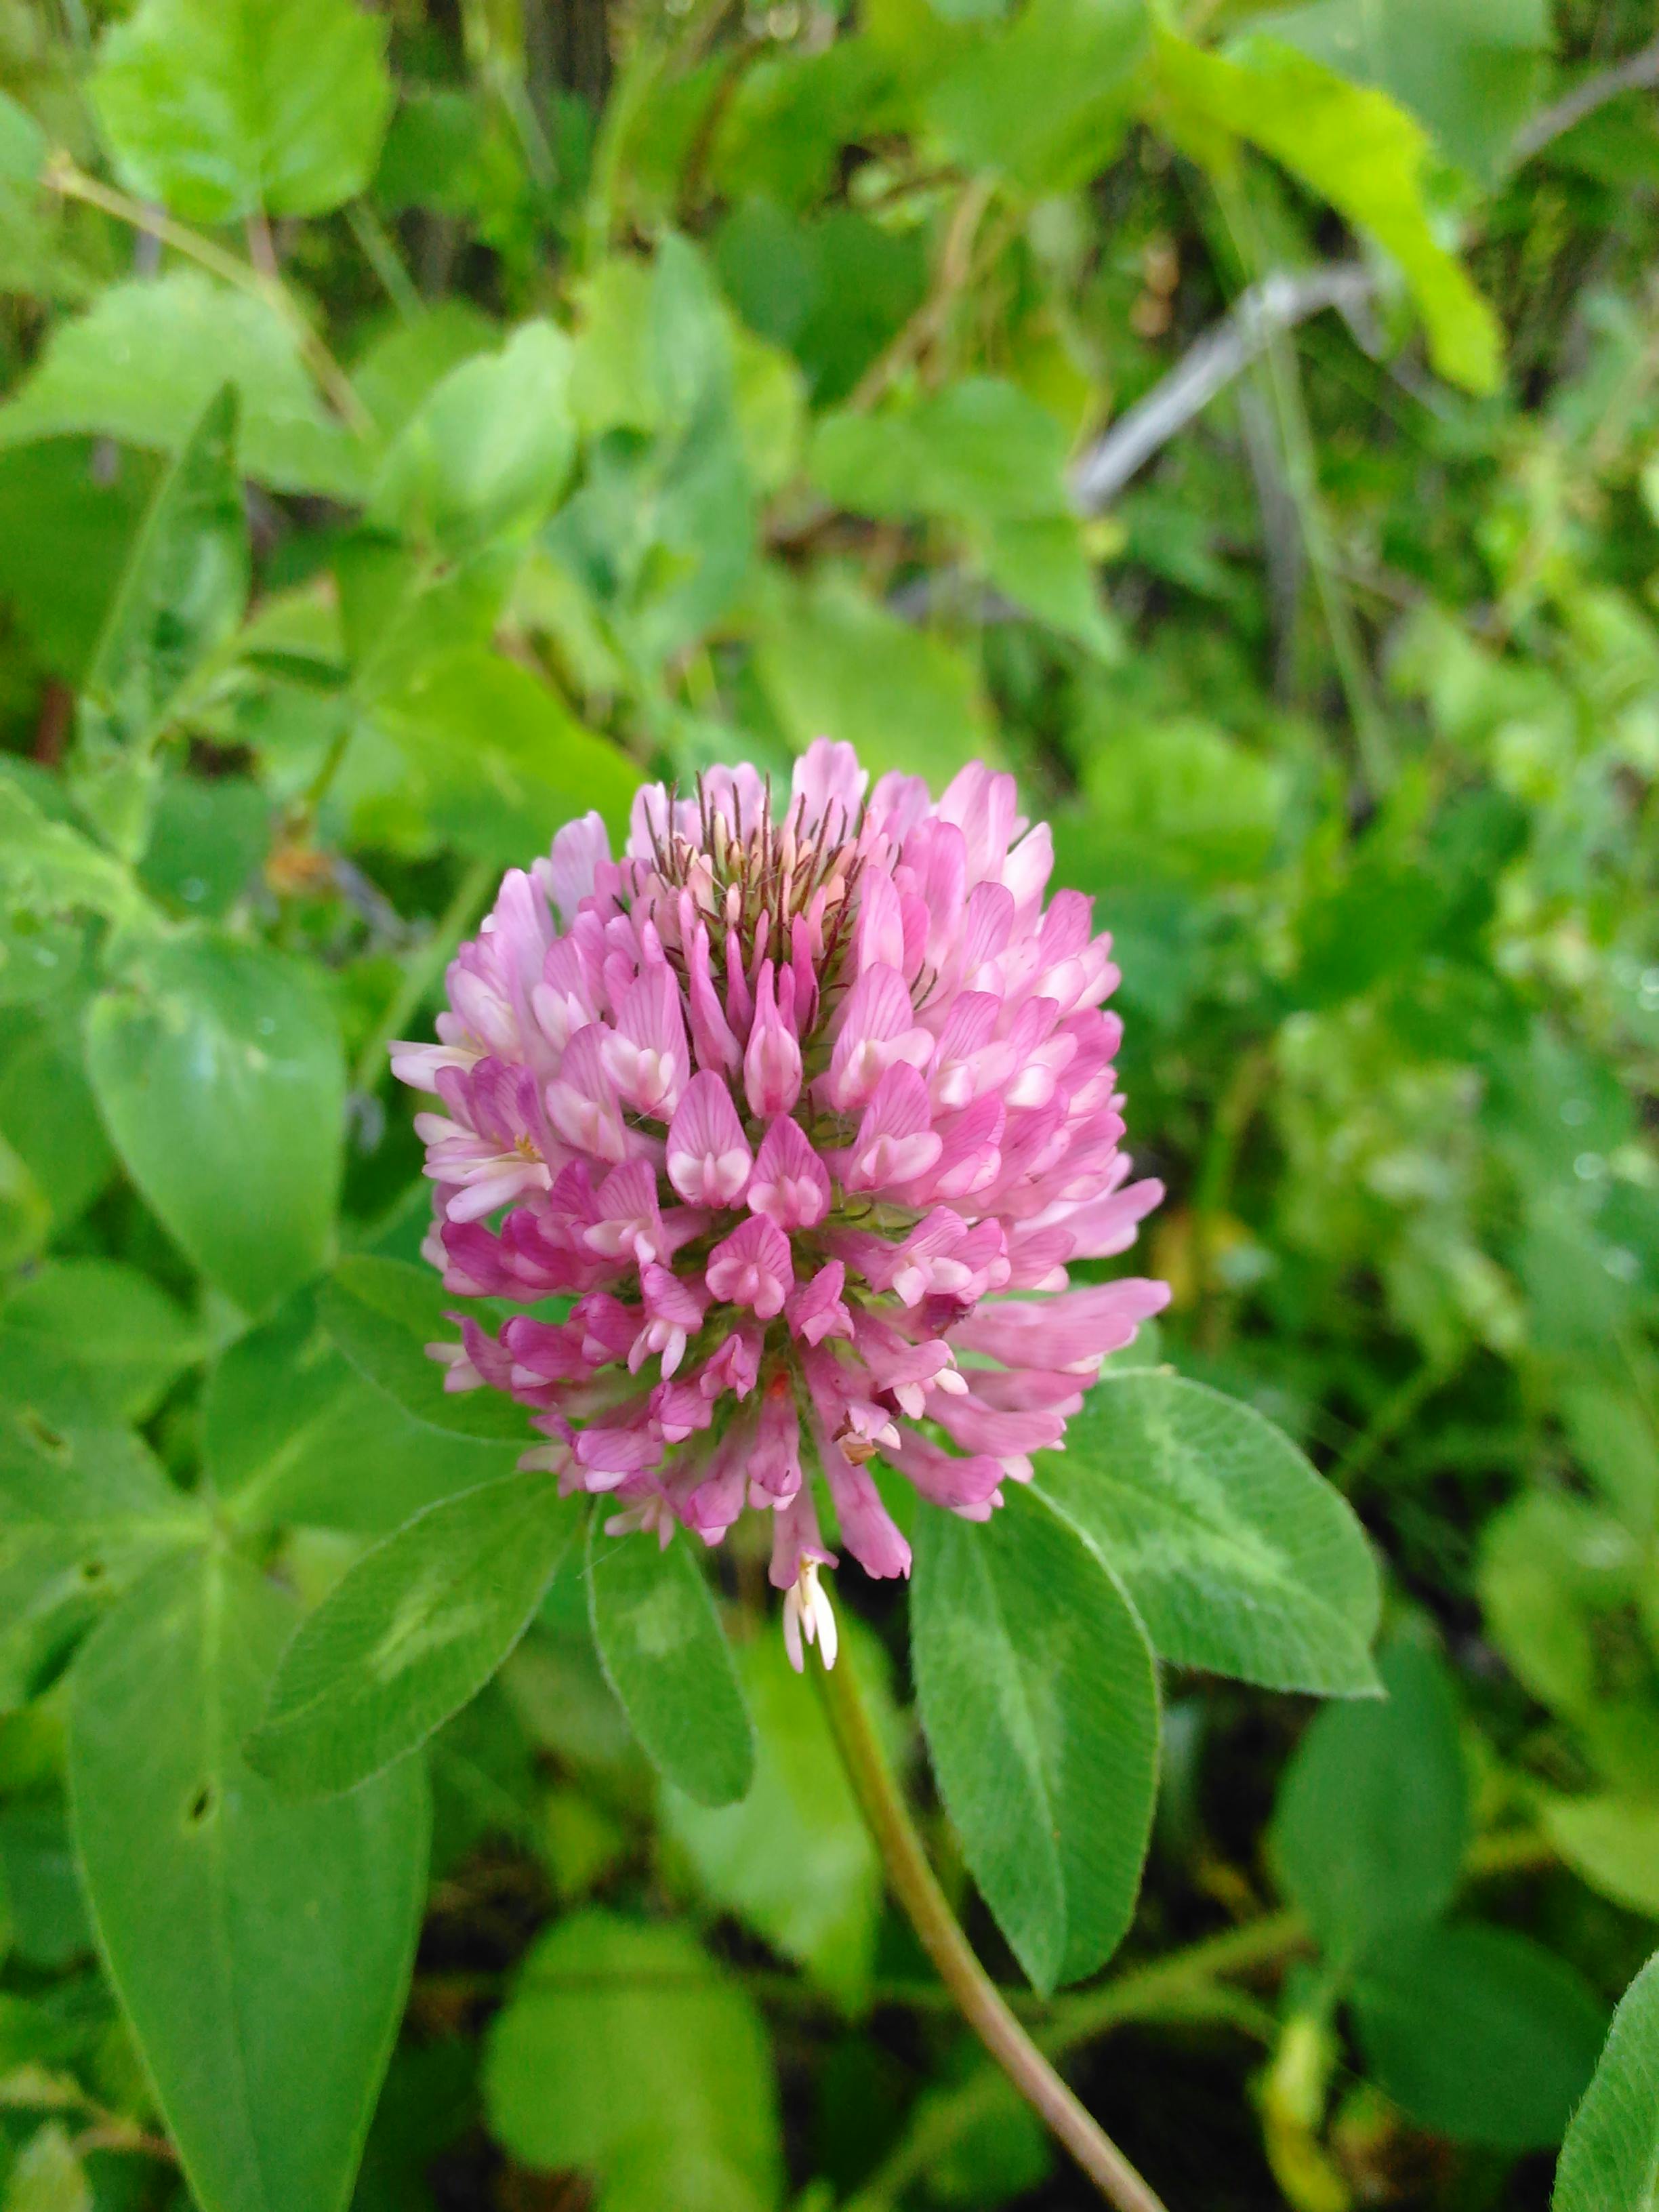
<point x="422" y="419"/>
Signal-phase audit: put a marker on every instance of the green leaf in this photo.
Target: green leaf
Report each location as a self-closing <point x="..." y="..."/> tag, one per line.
<point x="220" y="108"/>
<point x="1610" y="2159"/>
<point x="85" y="1509"/>
<point x="1043" y="566"/>
<point x="500" y="761"/>
<point x="207" y="837"/>
<point x="184" y="587"/>
<point x="981" y="449"/>
<point x="396" y="372"/>
<point x="666" y="1657"/>
<point x="416" y="1628"/>
<point x="1368" y="1832"/>
<point x="1479" y="2032"/>
<point x="1555" y="1573"/>
<point x="625" y="2052"/>
<point x="261" y="1949"/>
<point x="90" y="1340"/>
<point x="292" y="1432"/>
<point x="47" y="868"/>
<point x="1469" y="69"/>
<point x="47" y="1109"/>
<point x="1239" y="1557"/>
<point x="60" y="581"/>
<point x="1037" y="1692"/>
<point x="49" y="1925"/>
<point x="383" y="1314"/>
<point x="47" y="2175"/>
<point x="661" y="534"/>
<point x="1044" y="101"/>
<point x="145" y="359"/>
<point x="1355" y="148"/>
<point x="218" y="1070"/>
<point x="1612" y="1842"/>
<point x="781" y="132"/>
<point x="794" y="1859"/>
<point x="488" y="451"/>
<point x="834" y="664"/>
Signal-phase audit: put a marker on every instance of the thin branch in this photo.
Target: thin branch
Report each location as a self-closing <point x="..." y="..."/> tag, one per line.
<point x="1276" y="304"/>
<point x="957" y="266"/>
<point x="1637" y="72"/>
<point x="980" y="2004"/>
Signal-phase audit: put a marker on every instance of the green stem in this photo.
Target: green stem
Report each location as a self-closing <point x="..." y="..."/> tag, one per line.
<point x="421" y="971"/>
<point x="375" y="244"/>
<point x="1393" y="1414"/>
<point x="1284" y="379"/>
<point x="979" y="2001"/>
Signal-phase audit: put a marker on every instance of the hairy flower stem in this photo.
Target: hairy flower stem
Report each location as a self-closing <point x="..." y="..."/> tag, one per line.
<point x="981" y="2005"/>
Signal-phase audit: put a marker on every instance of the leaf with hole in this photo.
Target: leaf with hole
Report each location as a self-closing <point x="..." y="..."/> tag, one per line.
<point x="261" y="1949"/>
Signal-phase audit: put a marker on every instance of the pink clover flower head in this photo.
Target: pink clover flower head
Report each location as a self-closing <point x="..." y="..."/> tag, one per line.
<point x="807" y="1107"/>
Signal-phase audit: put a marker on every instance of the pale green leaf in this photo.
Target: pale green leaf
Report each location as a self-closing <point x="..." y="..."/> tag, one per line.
<point x="488" y="451"/>
<point x="1469" y="69"/>
<point x="980" y="450"/>
<point x="625" y="2052"/>
<point x="1239" y="1556"/>
<point x="834" y="664"/>
<point x="1610" y="2161"/>
<point x="217" y="1067"/>
<point x="499" y="759"/>
<point x="48" y="868"/>
<point x="666" y="1657"/>
<point x="220" y="108"/>
<point x="145" y="359"/>
<point x="1354" y="148"/>
<point x="1037" y="1692"/>
<point x="261" y="1949"/>
<point x="46" y="2176"/>
<point x="47" y="1107"/>
<point x="414" y="1629"/>
<point x="1612" y="1842"/>
<point x="1044" y="101"/>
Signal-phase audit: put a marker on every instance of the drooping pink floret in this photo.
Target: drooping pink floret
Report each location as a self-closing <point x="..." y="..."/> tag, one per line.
<point x="807" y="1117"/>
